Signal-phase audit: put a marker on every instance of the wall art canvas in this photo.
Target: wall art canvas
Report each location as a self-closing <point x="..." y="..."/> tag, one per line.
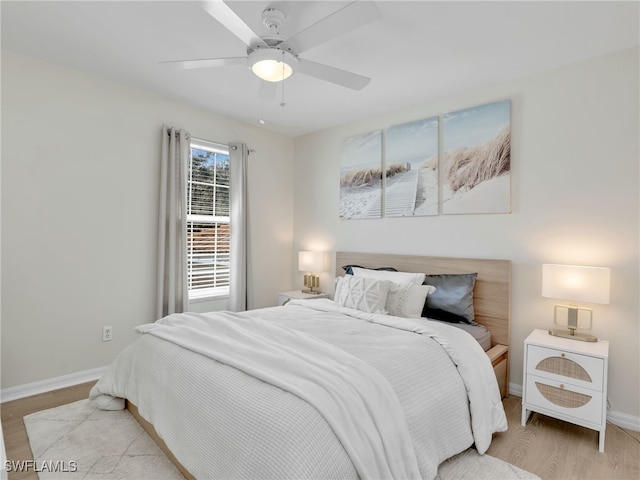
<point x="411" y="169"/>
<point x="361" y="176"/>
<point x="476" y="159"/>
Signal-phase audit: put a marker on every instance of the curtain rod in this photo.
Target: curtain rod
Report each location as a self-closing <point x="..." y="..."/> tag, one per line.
<point x="230" y="147"/>
<point x="189" y="137"/>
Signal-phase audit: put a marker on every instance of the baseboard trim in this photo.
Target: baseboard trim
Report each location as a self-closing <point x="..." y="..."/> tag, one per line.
<point x="515" y="389"/>
<point x="617" y="418"/>
<point x="623" y="420"/>
<point x="43" y="386"/>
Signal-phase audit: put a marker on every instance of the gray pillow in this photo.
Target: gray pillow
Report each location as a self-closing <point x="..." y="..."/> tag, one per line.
<point x="453" y="299"/>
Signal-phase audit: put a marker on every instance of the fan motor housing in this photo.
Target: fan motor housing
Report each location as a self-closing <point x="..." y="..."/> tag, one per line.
<point x="272" y="18"/>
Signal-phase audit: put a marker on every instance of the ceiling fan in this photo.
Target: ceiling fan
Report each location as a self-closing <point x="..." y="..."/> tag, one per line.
<point x="274" y="58"/>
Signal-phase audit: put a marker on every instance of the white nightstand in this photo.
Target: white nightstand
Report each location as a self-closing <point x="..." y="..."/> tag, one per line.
<point x="284" y="297"/>
<point x="566" y="379"/>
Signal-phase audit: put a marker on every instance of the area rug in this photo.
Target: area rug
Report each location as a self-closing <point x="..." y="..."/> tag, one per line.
<point x="80" y="441"/>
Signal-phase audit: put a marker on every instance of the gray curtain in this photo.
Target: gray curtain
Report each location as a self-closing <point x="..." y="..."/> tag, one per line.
<point x="172" y="295"/>
<point x="238" y="158"/>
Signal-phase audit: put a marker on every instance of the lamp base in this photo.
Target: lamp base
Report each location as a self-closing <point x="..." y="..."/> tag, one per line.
<point x="311" y="282"/>
<point x="583" y="337"/>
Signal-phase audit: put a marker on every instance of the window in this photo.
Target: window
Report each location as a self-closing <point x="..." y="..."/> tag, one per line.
<point x="208" y="220"/>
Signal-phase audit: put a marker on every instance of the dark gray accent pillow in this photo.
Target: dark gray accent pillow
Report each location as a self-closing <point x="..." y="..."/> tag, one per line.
<point x="348" y="269"/>
<point x="453" y="299"/>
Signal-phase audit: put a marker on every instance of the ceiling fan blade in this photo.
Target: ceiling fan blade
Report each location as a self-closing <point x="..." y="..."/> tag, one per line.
<point x="348" y="18"/>
<point x="232" y="22"/>
<point x="333" y="75"/>
<point x="208" y="62"/>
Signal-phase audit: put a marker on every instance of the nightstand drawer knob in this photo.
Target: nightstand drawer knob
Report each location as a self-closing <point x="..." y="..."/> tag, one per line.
<point x="563" y="355"/>
<point x="562" y="386"/>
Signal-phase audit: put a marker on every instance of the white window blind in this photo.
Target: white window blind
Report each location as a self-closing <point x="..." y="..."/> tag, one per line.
<point x="208" y="244"/>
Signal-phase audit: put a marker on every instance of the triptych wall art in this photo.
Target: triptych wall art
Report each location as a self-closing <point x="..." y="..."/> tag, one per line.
<point x="458" y="163"/>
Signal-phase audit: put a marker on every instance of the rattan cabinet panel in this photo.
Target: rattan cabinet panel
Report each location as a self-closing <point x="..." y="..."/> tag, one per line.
<point x="575" y="402"/>
<point x="564" y="365"/>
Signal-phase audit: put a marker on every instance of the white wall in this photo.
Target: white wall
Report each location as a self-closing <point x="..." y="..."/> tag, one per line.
<point x="575" y="199"/>
<point x="79" y="214"/>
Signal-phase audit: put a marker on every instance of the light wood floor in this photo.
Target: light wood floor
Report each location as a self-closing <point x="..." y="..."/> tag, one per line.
<point x="550" y="448"/>
<point x="553" y="449"/>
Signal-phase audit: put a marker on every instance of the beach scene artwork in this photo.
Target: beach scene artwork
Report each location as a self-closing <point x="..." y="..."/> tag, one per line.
<point x="361" y="176"/>
<point x="476" y="159"/>
<point x="411" y="169"/>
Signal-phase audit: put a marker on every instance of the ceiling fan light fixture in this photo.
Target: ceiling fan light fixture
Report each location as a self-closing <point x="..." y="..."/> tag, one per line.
<point x="271" y="64"/>
<point x="272" y="70"/>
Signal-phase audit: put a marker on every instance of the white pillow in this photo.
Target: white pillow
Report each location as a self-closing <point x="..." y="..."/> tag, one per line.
<point x="397" y="277"/>
<point x="361" y="293"/>
<point x="407" y="300"/>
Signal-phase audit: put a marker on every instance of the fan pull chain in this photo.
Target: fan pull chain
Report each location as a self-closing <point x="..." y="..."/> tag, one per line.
<point x="261" y="102"/>
<point x="282" y="103"/>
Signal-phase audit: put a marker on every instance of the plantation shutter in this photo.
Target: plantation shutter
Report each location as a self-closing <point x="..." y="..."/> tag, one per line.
<point x="208" y="246"/>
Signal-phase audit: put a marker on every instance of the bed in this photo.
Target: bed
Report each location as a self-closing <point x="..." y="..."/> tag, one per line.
<point x="491" y="294"/>
<point x="316" y="389"/>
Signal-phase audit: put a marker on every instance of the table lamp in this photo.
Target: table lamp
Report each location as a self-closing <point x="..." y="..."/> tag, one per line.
<point x="575" y="284"/>
<point x="311" y="263"/>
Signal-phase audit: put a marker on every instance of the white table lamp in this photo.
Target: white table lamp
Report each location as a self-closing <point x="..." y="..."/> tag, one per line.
<point x="576" y="284"/>
<point x="311" y="263"/>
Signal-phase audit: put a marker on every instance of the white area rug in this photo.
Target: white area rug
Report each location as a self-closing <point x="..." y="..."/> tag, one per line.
<point x="469" y="465"/>
<point x="101" y="444"/>
<point x="80" y="441"/>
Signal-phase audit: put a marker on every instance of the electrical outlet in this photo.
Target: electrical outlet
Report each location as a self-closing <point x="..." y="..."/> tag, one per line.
<point x="107" y="334"/>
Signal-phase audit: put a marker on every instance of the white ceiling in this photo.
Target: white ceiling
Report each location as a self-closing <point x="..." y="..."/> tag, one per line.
<point x="415" y="52"/>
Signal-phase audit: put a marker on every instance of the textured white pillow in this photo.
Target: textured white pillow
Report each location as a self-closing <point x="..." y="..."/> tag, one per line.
<point x="361" y="293"/>
<point x="397" y="277"/>
<point x="407" y="300"/>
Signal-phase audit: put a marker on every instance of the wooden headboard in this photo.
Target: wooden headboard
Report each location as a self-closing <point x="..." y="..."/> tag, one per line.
<point x="491" y="294"/>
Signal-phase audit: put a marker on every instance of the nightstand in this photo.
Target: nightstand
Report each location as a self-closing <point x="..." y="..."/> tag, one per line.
<point x="566" y="379"/>
<point x="284" y="297"/>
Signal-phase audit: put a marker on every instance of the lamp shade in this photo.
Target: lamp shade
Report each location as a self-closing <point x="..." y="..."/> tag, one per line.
<point x="575" y="283"/>
<point x="311" y="261"/>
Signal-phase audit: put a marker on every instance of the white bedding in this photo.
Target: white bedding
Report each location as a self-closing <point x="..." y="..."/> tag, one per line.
<point x="220" y="422"/>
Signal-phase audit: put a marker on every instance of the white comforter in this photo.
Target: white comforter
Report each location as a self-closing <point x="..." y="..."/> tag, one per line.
<point x="232" y="424"/>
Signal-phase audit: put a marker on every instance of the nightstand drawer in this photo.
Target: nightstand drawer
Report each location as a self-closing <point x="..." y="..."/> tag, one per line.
<point x="566" y="367"/>
<point x="569" y="400"/>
